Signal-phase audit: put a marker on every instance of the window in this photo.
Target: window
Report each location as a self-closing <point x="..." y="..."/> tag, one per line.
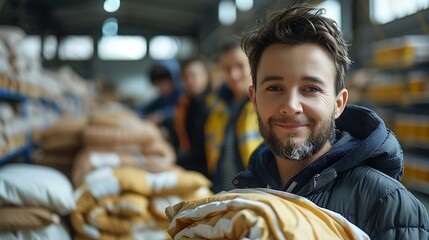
<point x="244" y="5"/>
<point x="50" y="45"/>
<point x="384" y="11"/>
<point x="122" y="48"/>
<point x="163" y="47"/>
<point x="110" y="27"/>
<point x="187" y="47"/>
<point x="333" y="10"/>
<point x="169" y="47"/>
<point x="76" y="48"/>
<point x="31" y="46"/>
<point x="227" y="12"/>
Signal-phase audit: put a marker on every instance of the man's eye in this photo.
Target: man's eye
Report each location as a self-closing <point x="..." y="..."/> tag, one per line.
<point x="274" y="88"/>
<point x="312" y="89"/>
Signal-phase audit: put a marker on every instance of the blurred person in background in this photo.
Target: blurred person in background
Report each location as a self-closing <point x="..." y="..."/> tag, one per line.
<point x="231" y="128"/>
<point x="161" y="109"/>
<point x="190" y="115"/>
<point x="341" y="157"/>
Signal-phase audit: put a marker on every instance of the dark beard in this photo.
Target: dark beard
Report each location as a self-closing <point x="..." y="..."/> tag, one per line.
<point x="287" y="147"/>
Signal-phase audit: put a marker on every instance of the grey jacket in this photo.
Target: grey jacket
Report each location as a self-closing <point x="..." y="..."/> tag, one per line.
<point x="358" y="178"/>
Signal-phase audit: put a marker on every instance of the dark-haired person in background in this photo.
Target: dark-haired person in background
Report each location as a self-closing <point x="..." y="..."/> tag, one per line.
<point x="342" y="158"/>
<point x="161" y="109"/>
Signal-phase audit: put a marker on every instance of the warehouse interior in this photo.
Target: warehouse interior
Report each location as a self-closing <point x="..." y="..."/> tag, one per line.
<point x="74" y="74"/>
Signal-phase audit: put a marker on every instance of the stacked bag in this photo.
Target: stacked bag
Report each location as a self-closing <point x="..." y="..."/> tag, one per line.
<point x="11" y="62"/>
<point x="24" y="72"/>
<point x="59" y="144"/>
<point x="125" y="176"/>
<point x="120" y="138"/>
<point x="129" y="202"/>
<point x="33" y="200"/>
<point x="13" y="130"/>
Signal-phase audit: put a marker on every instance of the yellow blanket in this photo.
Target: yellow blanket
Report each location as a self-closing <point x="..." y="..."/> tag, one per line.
<point x="257" y="214"/>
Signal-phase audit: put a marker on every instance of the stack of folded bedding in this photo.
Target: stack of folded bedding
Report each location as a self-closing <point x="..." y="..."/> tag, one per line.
<point x="89" y="159"/>
<point x="129" y="202"/>
<point x="108" y="130"/>
<point x="125" y="176"/>
<point x="257" y="214"/>
<point x="119" y="138"/>
<point x="33" y="200"/>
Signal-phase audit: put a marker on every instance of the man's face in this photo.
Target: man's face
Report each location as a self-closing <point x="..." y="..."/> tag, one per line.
<point x="236" y="70"/>
<point x="195" y="78"/>
<point x="295" y="100"/>
<point x="165" y="87"/>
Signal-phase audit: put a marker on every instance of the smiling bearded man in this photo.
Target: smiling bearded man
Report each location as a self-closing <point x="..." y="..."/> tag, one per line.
<point x="341" y="157"/>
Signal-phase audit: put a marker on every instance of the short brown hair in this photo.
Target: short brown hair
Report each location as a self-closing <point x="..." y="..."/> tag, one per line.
<point x="296" y="25"/>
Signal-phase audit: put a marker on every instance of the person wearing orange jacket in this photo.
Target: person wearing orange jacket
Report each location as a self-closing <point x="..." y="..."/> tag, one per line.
<point x="190" y="115"/>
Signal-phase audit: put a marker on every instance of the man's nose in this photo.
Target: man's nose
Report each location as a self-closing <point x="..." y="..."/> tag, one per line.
<point x="291" y="103"/>
<point x="235" y="73"/>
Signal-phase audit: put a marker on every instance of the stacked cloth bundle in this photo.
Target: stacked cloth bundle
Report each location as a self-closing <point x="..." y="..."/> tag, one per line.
<point x="32" y="201"/>
<point x="125" y="176"/>
<point x="257" y="214"/>
<point x="129" y="203"/>
<point x="114" y="136"/>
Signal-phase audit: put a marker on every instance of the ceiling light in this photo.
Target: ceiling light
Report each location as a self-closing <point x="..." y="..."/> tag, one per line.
<point x="111" y="5"/>
<point x="244" y="5"/>
<point x="163" y="47"/>
<point x="227" y="12"/>
<point x="110" y="27"/>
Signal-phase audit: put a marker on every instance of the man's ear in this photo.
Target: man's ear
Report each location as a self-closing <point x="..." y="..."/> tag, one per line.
<point x="340" y="102"/>
<point x="252" y="96"/>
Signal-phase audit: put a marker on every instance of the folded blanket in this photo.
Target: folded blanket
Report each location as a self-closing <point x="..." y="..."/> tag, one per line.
<point x="257" y="214"/>
<point x="141" y="234"/>
<point x="158" y="204"/>
<point x="110" y="216"/>
<point x="65" y="126"/>
<point x="64" y="135"/>
<point x="113" y="181"/>
<point x="120" y="132"/>
<point x="89" y="159"/>
<point x="50" y="232"/>
<point x="21" y="218"/>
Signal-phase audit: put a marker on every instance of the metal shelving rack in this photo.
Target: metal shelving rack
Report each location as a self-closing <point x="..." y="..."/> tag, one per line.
<point x="25" y="149"/>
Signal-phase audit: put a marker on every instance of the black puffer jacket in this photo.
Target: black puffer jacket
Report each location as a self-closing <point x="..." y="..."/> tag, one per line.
<point x="358" y="178"/>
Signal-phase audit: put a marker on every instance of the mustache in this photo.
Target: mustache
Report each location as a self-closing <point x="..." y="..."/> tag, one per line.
<point x="289" y="120"/>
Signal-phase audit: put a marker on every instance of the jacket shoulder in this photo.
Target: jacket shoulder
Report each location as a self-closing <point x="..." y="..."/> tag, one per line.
<point x="389" y="158"/>
<point x="384" y="208"/>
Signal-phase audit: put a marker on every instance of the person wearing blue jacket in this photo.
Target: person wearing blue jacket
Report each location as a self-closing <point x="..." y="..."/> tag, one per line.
<point x="342" y="157"/>
<point x="161" y="109"/>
